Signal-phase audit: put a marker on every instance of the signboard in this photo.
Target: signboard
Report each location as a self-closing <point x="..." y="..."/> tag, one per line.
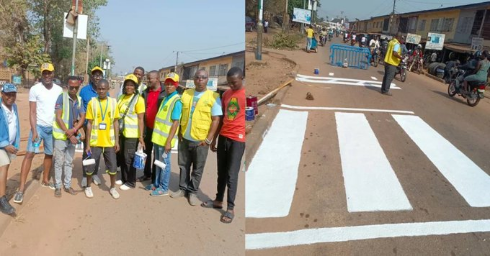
<point x="302" y="15"/>
<point x="212" y="84"/>
<point x="413" y="38"/>
<point x="17" y="80"/>
<point x="82" y="27"/>
<point x="477" y="44"/>
<point x="435" y="41"/>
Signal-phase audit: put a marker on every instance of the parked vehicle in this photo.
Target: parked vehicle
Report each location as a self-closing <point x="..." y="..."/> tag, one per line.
<point x="375" y="57"/>
<point x="323" y="40"/>
<point x="415" y="64"/>
<point x="475" y="92"/>
<point x="249" y="24"/>
<point x="402" y="69"/>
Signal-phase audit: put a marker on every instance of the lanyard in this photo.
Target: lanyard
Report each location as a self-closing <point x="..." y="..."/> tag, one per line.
<point x="106" y="107"/>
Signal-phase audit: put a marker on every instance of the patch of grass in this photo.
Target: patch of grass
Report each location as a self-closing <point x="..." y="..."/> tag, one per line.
<point x="284" y="41"/>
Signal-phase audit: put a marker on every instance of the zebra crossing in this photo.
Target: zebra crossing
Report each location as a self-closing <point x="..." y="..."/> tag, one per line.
<point x="370" y="182"/>
<point x="343" y="81"/>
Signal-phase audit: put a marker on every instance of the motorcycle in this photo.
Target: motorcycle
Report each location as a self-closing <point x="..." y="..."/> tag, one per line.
<point x="375" y="57"/>
<point x="475" y="92"/>
<point x="415" y="64"/>
<point x="402" y="69"/>
<point x="323" y="40"/>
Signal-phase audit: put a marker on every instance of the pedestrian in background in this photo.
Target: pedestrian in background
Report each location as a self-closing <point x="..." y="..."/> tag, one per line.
<point x="392" y="60"/>
<point x="309" y="37"/>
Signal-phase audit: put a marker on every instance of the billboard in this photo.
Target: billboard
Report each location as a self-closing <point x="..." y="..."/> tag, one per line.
<point x="477" y="44"/>
<point x="435" y="41"/>
<point x="413" y="38"/>
<point x="302" y="15"/>
<point x="212" y="84"/>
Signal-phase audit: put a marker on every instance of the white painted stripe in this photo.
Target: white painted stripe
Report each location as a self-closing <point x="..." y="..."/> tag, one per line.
<point x="330" y="74"/>
<point x="361" y="83"/>
<point x="467" y="178"/>
<point x="343" y="109"/>
<point x="370" y="182"/>
<point x="329" y="78"/>
<point x="272" y="174"/>
<point x="344" y="234"/>
<point x="374" y="78"/>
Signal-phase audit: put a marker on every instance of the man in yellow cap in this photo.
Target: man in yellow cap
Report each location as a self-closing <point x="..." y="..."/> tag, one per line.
<point x="88" y="92"/>
<point x="42" y="101"/>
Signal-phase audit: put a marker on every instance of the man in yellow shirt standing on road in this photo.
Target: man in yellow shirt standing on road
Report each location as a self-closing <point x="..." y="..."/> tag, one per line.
<point x="309" y="37"/>
<point x="102" y="135"/>
<point x="392" y="60"/>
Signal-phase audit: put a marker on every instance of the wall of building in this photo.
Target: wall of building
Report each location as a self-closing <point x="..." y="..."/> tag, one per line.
<point x="443" y="22"/>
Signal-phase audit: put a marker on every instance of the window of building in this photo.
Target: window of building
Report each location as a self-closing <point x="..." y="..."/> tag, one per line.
<point x="212" y="70"/>
<point x="448" y="24"/>
<point x="223" y="69"/>
<point x="434" y="23"/>
<point x="386" y="23"/>
<point x="477" y="22"/>
<point x="465" y="25"/>
<point x="422" y="25"/>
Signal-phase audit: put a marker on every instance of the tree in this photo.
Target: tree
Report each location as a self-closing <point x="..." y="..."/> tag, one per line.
<point x="23" y="54"/>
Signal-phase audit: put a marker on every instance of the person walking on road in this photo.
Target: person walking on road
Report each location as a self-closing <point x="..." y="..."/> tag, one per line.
<point x="88" y="92"/>
<point x="9" y="140"/>
<point x="131" y="107"/>
<point x="103" y="135"/>
<point x="69" y="119"/>
<point x="42" y="101"/>
<point x="153" y="96"/>
<point x="392" y="60"/>
<point x="309" y="37"/>
<point x="231" y="143"/>
<point x="165" y="134"/>
<point x="201" y="111"/>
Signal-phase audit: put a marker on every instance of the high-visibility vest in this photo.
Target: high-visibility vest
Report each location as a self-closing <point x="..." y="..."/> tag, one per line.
<point x="131" y="118"/>
<point x="163" y="123"/>
<point x="390" y="58"/>
<point x="201" y="118"/>
<point x="58" y="133"/>
<point x="95" y="123"/>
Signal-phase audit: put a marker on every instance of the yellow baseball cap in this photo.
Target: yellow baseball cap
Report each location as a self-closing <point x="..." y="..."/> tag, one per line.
<point x="173" y="76"/>
<point x="47" y="66"/>
<point x="96" y="68"/>
<point x="131" y="77"/>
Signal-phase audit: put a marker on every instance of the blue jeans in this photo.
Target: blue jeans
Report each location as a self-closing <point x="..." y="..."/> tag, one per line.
<point x="46" y="135"/>
<point x="308" y="43"/>
<point x="162" y="177"/>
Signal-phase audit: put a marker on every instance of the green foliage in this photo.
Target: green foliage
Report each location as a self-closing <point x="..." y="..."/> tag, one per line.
<point x="26" y="54"/>
<point x="284" y="41"/>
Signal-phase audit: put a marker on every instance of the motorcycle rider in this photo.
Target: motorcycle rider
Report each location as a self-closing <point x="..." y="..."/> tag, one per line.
<point x="481" y="71"/>
<point x="469" y="66"/>
<point x="323" y="36"/>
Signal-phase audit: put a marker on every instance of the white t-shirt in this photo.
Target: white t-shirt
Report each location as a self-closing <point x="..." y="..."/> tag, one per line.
<point x="363" y="39"/>
<point x="45" y="102"/>
<point x="12" y="122"/>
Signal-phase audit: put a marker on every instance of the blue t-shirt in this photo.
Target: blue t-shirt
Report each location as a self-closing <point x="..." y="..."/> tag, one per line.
<point x="215" y="111"/>
<point x="75" y="109"/>
<point x="177" y="111"/>
<point x="396" y="47"/>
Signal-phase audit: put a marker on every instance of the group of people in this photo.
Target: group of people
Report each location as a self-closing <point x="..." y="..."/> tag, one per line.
<point x="150" y="119"/>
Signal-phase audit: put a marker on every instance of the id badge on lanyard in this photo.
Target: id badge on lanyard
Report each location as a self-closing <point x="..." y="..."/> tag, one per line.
<point x="103" y="125"/>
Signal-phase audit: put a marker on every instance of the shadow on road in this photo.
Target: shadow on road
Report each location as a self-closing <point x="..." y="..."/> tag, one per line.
<point x="13" y="182"/>
<point x="455" y="98"/>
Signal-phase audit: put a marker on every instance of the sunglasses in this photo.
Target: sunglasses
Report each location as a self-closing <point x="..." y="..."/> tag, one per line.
<point x="200" y="77"/>
<point x="73" y="88"/>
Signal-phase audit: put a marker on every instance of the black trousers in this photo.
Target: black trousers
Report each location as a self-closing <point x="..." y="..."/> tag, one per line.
<point x="191" y="154"/>
<point x="230" y="154"/>
<point x="390" y="71"/>
<point x="125" y="158"/>
<point x="149" y="166"/>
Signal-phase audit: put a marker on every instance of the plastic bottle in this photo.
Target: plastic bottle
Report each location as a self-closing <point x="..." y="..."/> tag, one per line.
<point x="36" y="145"/>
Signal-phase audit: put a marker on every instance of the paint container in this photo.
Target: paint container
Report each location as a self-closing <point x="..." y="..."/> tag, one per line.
<point x="317" y="71"/>
<point x="249" y="114"/>
<point x="88" y="162"/>
<point x="252" y="102"/>
<point x="160" y="164"/>
<point x="139" y="160"/>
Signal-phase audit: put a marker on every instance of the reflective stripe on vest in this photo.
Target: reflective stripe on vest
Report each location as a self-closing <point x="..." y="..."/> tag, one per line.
<point x="58" y="133"/>
<point x="163" y="123"/>
<point x="201" y="118"/>
<point x="95" y="123"/>
<point x="131" y="119"/>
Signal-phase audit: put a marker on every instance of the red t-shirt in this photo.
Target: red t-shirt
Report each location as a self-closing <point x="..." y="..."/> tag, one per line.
<point x="151" y="107"/>
<point x="234" y="115"/>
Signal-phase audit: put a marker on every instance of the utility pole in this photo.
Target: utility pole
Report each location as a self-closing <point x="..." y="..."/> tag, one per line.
<point x="302" y="24"/>
<point x="285" y="18"/>
<point x="260" y="27"/>
<point x="100" y="60"/>
<point x="176" y="62"/>
<point x="86" y="60"/>
<point x="392" y="19"/>
<point x="75" y="30"/>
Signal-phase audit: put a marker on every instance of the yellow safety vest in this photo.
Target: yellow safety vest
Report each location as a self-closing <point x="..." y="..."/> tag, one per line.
<point x="130" y="120"/>
<point x="163" y="122"/>
<point x="58" y="133"/>
<point x="390" y="58"/>
<point x="201" y="118"/>
<point x="95" y="123"/>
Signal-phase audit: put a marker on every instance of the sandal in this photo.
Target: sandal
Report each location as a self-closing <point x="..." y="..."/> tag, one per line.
<point x="210" y="204"/>
<point x="228" y="215"/>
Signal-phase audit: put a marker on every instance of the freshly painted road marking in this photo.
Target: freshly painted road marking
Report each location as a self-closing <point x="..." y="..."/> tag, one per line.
<point x="344" y="234"/>
<point x="342" y="81"/>
<point x="370" y="182"/>
<point x="272" y="174"/>
<point x="467" y="178"/>
<point x="343" y="109"/>
<point x="330" y="74"/>
<point x="374" y="78"/>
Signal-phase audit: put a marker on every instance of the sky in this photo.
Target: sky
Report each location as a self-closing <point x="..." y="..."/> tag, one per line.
<point x="148" y="32"/>
<point x="364" y="9"/>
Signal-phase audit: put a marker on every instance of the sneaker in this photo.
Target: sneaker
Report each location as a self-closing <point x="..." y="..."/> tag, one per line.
<point x="125" y="187"/>
<point x="88" y="192"/>
<point x="18" y="197"/>
<point x="49" y="184"/>
<point x="158" y="192"/>
<point x="5" y="206"/>
<point x="193" y="199"/>
<point x="114" y="193"/>
<point x="57" y="192"/>
<point x="70" y="191"/>
<point x="150" y="187"/>
<point x="96" y="180"/>
<point x="119" y="182"/>
<point x="178" y="194"/>
<point x="84" y="182"/>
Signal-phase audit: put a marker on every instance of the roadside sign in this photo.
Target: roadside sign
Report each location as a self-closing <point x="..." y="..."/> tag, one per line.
<point x="302" y="15"/>
<point x="435" y="41"/>
<point x="17" y="80"/>
<point x="477" y="44"/>
<point x="212" y="84"/>
<point x="82" y="27"/>
<point x="413" y="38"/>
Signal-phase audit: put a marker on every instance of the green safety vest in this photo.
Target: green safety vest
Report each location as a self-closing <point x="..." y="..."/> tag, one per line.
<point x="58" y="133"/>
<point x="163" y="122"/>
